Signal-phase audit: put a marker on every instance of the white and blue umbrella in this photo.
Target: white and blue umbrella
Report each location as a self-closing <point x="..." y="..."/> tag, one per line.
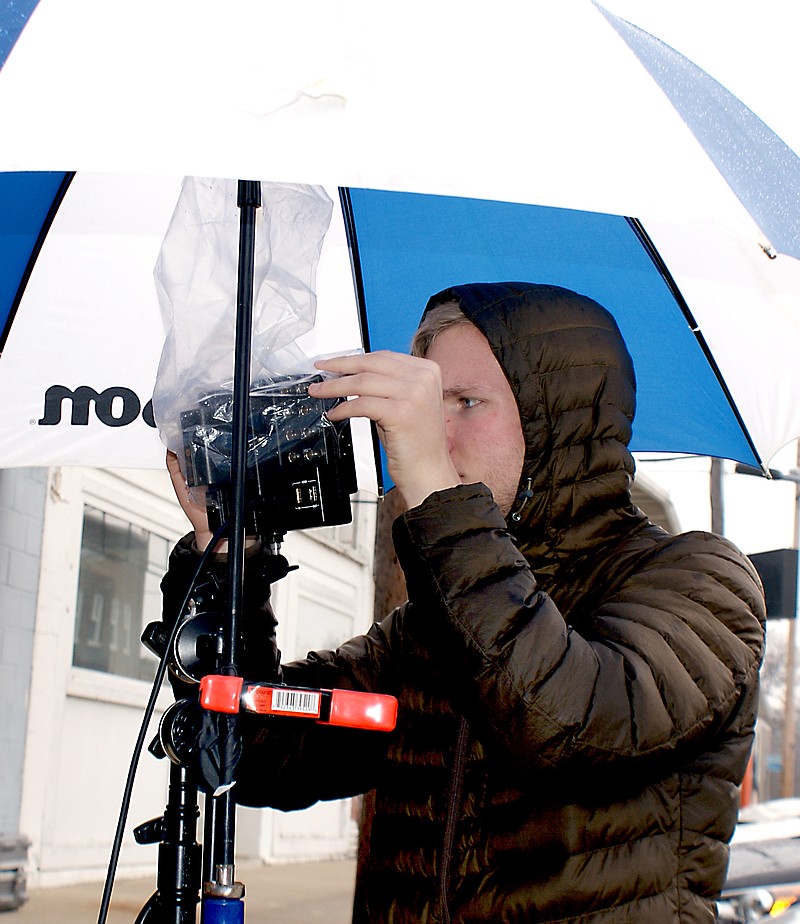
<point x="467" y="145"/>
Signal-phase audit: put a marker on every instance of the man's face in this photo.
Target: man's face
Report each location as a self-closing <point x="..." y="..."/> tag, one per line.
<point x="484" y="433"/>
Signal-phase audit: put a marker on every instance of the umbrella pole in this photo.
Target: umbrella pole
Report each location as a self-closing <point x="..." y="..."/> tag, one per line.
<point x="222" y="895"/>
<point x="249" y="201"/>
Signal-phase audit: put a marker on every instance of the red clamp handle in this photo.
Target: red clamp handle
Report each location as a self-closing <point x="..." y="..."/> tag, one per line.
<point x="221" y="693"/>
<point x="348" y="708"/>
<point x="353" y="709"/>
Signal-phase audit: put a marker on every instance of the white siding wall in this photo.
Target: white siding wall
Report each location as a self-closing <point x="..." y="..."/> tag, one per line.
<point x="22" y="501"/>
<point x="82" y="724"/>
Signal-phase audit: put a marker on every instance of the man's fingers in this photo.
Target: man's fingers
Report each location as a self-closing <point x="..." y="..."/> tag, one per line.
<point x="381" y="374"/>
<point x="194" y="508"/>
<point x="378" y="386"/>
<point x="173" y="465"/>
<point x="384" y="362"/>
<point x="403" y="395"/>
<point x="389" y="412"/>
<point x="374" y="408"/>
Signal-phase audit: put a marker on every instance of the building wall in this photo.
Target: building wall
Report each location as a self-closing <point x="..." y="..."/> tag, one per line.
<point x="82" y="723"/>
<point x="22" y="501"/>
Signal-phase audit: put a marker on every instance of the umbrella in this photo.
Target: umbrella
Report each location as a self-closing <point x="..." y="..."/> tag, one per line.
<point x="538" y="122"/>
<point x="551" y="211"/>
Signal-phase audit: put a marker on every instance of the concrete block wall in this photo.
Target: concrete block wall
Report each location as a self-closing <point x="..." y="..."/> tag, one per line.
<point x="22" y="503"/>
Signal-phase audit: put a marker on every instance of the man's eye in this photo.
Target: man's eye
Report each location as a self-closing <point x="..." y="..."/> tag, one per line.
<point x="470" y="402"/>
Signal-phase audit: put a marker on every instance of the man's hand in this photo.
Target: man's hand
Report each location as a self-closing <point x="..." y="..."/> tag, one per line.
<point x="403" y="395"/>
<point x="196" y="513"/>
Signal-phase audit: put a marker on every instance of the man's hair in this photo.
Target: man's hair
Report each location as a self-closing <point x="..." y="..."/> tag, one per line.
<point x="440" y="318"/>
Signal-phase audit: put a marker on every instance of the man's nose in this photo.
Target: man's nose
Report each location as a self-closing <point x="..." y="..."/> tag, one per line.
<point x="449" y="434"/>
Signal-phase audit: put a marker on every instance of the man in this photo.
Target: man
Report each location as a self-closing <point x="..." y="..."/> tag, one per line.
<point x="577" y="688"/>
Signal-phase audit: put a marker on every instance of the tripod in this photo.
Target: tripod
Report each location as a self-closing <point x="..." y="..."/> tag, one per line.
<point x="206" y="650"/>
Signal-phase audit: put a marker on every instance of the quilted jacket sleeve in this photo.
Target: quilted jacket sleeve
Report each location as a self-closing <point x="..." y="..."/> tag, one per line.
<point x="292" y="763"/>
<point x="658" y="667"/>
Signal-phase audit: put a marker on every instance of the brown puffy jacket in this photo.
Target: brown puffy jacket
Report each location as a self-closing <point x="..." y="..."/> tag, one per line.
<point x="577" y="688"/>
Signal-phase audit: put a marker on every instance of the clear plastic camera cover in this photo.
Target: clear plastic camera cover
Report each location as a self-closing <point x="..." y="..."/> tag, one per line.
<point x="197" y="277"/>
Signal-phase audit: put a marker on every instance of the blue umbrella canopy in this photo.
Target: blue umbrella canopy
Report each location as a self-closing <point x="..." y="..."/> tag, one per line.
<point x="411" y="246"/>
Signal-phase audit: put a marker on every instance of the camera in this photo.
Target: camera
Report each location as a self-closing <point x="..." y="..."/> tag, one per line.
<point x="300" y="467"/>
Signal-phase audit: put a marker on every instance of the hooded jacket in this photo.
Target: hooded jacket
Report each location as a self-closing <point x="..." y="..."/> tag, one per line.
<point x="577" y="688"/>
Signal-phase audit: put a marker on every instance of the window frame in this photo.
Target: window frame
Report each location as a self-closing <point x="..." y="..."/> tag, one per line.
<point x="129" y="496"/>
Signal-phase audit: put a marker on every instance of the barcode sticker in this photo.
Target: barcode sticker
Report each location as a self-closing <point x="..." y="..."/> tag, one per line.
<point x="304" y="702"/>
<point x="268" y="700"/>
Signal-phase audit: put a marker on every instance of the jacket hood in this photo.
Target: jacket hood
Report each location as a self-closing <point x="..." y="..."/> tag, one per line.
<point x="574" y="384"/>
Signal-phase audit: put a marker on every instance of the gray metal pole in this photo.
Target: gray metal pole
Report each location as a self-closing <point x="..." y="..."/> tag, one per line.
<point x="790" y="713"/>
<point x="717" y="501"/>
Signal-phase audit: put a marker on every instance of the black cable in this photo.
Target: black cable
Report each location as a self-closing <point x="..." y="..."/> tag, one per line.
<point x="148" y="715"/>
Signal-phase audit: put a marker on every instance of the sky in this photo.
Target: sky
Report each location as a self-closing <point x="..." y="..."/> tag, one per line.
<point x="759" y="514"/>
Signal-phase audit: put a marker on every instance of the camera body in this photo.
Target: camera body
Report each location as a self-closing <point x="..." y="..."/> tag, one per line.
<point x="300" y="465"/>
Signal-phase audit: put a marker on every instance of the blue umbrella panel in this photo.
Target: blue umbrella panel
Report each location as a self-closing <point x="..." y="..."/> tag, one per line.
<point x="28" y="202"/>
<point x="406" y="247"/>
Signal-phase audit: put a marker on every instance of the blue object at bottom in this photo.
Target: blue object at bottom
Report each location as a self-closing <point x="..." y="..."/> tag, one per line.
<point x="223" y="911"/>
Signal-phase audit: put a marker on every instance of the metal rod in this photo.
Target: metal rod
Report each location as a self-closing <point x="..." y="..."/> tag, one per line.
<point x="790" y="707"/>
<point x="225" y="834"/>
<point x="249" y="200"/>
<point x="717" y="498"/>
<point x="209" y="838"/>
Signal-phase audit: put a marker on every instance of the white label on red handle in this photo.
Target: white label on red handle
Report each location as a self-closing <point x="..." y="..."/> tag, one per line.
<point x="299" y="702"/>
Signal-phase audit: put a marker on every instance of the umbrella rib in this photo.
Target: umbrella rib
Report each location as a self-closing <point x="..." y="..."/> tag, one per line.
<point x="650" y="248"/>
<point x="58" y="198"/>
<point x="358" y="282"/>
<point x="355" y="262"/>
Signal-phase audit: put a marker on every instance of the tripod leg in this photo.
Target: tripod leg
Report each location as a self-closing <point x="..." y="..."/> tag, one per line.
<point x="151" y="912"/>
<point x="178" y="883"/>
<point x="179" y="852"/>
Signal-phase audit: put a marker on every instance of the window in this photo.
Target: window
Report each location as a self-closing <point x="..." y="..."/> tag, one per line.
<point x="118" y="595"/>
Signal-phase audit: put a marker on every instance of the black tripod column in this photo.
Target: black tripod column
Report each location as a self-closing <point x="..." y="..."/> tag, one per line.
<point x="179" y="854"/>
<point x="222" y="895"/>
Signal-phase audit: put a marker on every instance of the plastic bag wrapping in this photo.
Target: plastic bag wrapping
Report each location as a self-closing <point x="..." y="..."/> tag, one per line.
<point x="284" y="420"/>
<point x="197" y="281"/>
<point x="300" y="465"/>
